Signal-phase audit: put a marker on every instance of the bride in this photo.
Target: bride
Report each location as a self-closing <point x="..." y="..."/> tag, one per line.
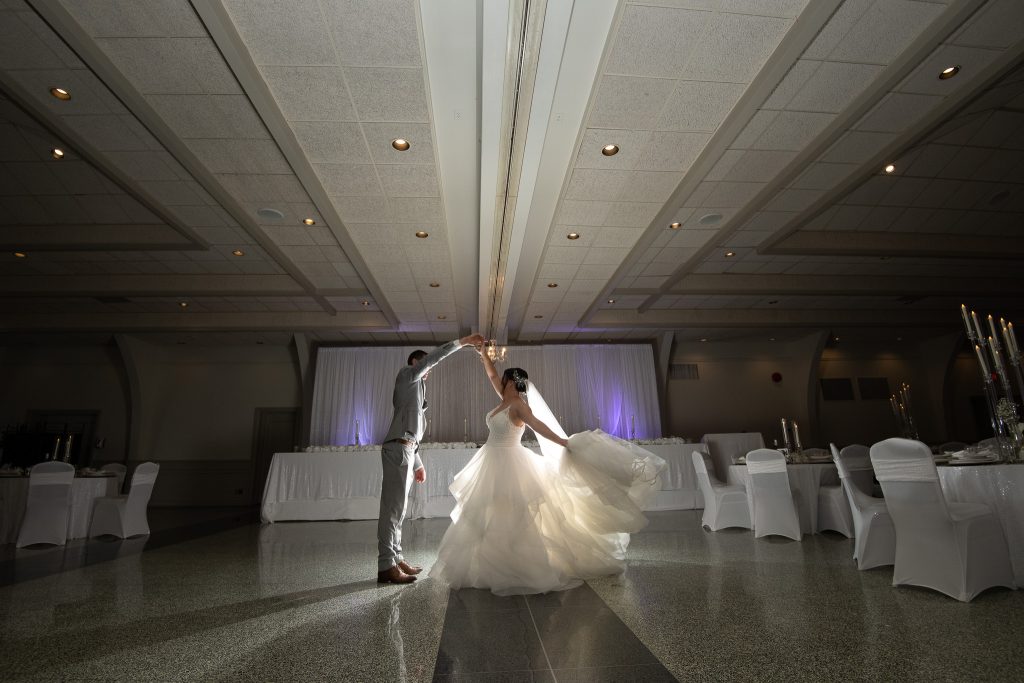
<point x="525" y="523"/>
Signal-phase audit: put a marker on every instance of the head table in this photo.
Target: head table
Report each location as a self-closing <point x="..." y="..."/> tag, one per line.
<point x="346" y="485"/>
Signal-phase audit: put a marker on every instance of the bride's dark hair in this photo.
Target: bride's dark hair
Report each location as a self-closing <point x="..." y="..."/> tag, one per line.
<point x="517" y="375"/>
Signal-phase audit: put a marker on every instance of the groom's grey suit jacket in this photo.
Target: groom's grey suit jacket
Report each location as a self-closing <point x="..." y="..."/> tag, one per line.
<point x="410" y="400"/>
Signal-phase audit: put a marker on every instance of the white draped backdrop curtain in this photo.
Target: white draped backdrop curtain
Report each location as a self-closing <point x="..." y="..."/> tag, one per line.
<point x="612" y="388"/>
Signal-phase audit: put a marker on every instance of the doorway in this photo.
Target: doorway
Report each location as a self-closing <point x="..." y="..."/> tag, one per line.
<point x="276" y="431"/>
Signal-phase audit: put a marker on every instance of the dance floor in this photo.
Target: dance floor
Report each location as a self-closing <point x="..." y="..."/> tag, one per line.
<point x="226" y="599"/>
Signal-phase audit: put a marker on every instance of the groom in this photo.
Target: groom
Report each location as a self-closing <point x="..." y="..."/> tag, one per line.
<point x="400" y="457"/>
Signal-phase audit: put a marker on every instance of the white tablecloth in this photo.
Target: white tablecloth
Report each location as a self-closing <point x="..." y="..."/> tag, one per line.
<point x="84" y="491"/>
<point x="320" y="486"/>
<point x="724" y="449"/>
<point x="1001" y="487"/>
<point x="805" y="478"/>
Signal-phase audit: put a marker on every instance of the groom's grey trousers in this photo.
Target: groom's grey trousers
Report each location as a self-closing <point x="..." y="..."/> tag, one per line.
<point x="397" y="460"/>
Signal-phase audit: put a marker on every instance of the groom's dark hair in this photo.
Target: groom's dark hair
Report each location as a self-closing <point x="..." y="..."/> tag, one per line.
<point x="415" y="355"/>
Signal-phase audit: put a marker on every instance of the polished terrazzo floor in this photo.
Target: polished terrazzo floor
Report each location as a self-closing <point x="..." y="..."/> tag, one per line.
<point x="298" y="602"/>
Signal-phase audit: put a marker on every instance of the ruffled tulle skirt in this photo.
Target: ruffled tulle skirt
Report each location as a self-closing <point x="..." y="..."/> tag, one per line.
<point x="527" y="524"/>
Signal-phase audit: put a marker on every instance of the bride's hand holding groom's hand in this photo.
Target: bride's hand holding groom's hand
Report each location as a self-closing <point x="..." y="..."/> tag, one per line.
<point x="472" y="340"/>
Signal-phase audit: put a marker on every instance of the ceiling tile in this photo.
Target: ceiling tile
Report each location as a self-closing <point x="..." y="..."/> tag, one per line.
<point x="650" y="186"/>
<point x="618" y="237"/>
<point x="171" y="65"/>
<point x="631" y="144"/>
<point x="210" y="116"/>
<point x="605" y="255"/>
<point x="839" y="24"/>
<point x="857" y="147"/>
<point x="734" y="47"/>
<point x="671" y="151"/>
<point x="572" y="212"/>
<point x="924" y="79"/>
<point x="791" y="84"/>
<point x="106" y="133"/>
<point x="594" y="184"/>
<point x="997" y="25"/>
<point x="100" y="18"/>
<point x="792" y="130"/>
<point x="793" y="200"/>
<point x="823" y="176"/>
<point x="833" y="86"/>
<point x="380" y="135"/>
<point x="655" y="41"/>
<point x="310" y="93"/>
<point x="567" y="255"/>
<point x="731" y="194"/>
<point x="629" y="102"/>
<point x="388" y="94"/>
<point x="409" y="181"/>
<point x="885" y="30"/>
<point x="374" y="32"/>
<point x="331" y="142"/>
<point x="341" y="180"/>
<point x="282" y="33"/>
<point x="240" y="156"/>
<point x="898" y="112"/>
<point x="632" y="214"/>
<point x="759" y="166"/>
<point x="699" y="106"/>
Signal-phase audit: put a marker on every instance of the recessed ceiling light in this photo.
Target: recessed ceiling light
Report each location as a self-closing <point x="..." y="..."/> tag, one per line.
<point x="573" y="236"/>
<point x="889" y="168"/>
<point x="710" y="218"/>
<point x="238" y="252"/>
<point x="20" y="254"/>
<point x="899" y="338"/>
<point x="422" y="235"/>
<point x="703" y="339"/>
<point x="309" y="221"/>
<point x="60" y="94"/>
<point x="552" y="285"/>
<point x="442" y="317"/>
<point x="771" y="338"/>
<point x="730" y="254"/>
<point x="435" y="284"/>
<point x="611" y="301"/>
<point x="949" y="72"/>
<point x="267" y="212"/>
<point x="674" y="226"/>
<point x="538" y="317"/>
<point x="183" y="304"/>
<point x="57" y="153"/>
<point x="401" y="144"/>
<point x="610" y="150"/>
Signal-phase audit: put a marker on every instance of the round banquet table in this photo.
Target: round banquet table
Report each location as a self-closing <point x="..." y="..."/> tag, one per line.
<point x="84" y="492"/>
<point x="805" y="479"/>
<point x="1001" y="487"/>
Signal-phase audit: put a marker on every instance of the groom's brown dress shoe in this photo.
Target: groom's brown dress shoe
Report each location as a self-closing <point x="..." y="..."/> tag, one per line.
<point x="394" y="575"/>
<point x="409" y="569"/>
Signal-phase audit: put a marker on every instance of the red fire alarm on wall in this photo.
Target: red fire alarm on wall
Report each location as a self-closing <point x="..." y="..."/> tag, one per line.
<point x="776" y="377"/>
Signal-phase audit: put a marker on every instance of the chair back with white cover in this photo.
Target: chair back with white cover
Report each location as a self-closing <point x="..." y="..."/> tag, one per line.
<point x="874" y="536"/>
<point x="955" y="548"/>
<point x="120" y="470"/>
<point x="143" y="481"/>
<point x="724" y="506"/>
<point x="49" y="504"/>
<point x="857" y="460"/>
<point x="774" y="507"/>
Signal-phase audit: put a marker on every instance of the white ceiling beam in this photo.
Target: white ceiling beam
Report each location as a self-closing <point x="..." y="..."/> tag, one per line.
<point x="133" y="286"/>
<point x="452" y="47"/>
<point x="189" y="321"/>
<point x="839" y="285"/>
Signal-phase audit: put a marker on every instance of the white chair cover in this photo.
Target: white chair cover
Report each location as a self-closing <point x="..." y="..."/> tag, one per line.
<point x="48" y="505"/>
<point x="874" y="536"/>
<point x="857" y="459"/>
<point x="120" y="470"/>
<point x="774" y="507"/>
<point x="125" y="516"/>
<point x="954" y="548"/>
<point x="724" y="505"/>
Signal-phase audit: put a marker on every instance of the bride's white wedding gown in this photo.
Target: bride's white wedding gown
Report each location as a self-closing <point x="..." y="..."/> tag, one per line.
<point x="525" y="523"/>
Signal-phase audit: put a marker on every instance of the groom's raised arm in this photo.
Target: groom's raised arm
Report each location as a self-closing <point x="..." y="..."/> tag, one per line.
<point x="442" y="352"/>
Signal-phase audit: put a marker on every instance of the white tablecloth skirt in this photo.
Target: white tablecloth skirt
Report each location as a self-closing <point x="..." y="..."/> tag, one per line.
<point x="323" y="486"/>
<point x="84" y="492"/>
<point x="803" y="478"/>
<point x="1001" y="487"/>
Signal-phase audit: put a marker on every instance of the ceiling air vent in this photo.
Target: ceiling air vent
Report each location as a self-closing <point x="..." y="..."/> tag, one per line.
<point x="112" y="300"/>
<point x="683" y="371"/>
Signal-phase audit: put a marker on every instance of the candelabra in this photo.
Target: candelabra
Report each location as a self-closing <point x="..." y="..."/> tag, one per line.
<point x="1003" y="413"/>
<point x="495" y="353"/>
<point x="902" y="409"/>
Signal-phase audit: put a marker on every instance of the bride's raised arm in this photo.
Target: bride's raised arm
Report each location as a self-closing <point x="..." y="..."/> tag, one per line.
<point x="521" y="410"/>
<point x="492" y="374"/>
